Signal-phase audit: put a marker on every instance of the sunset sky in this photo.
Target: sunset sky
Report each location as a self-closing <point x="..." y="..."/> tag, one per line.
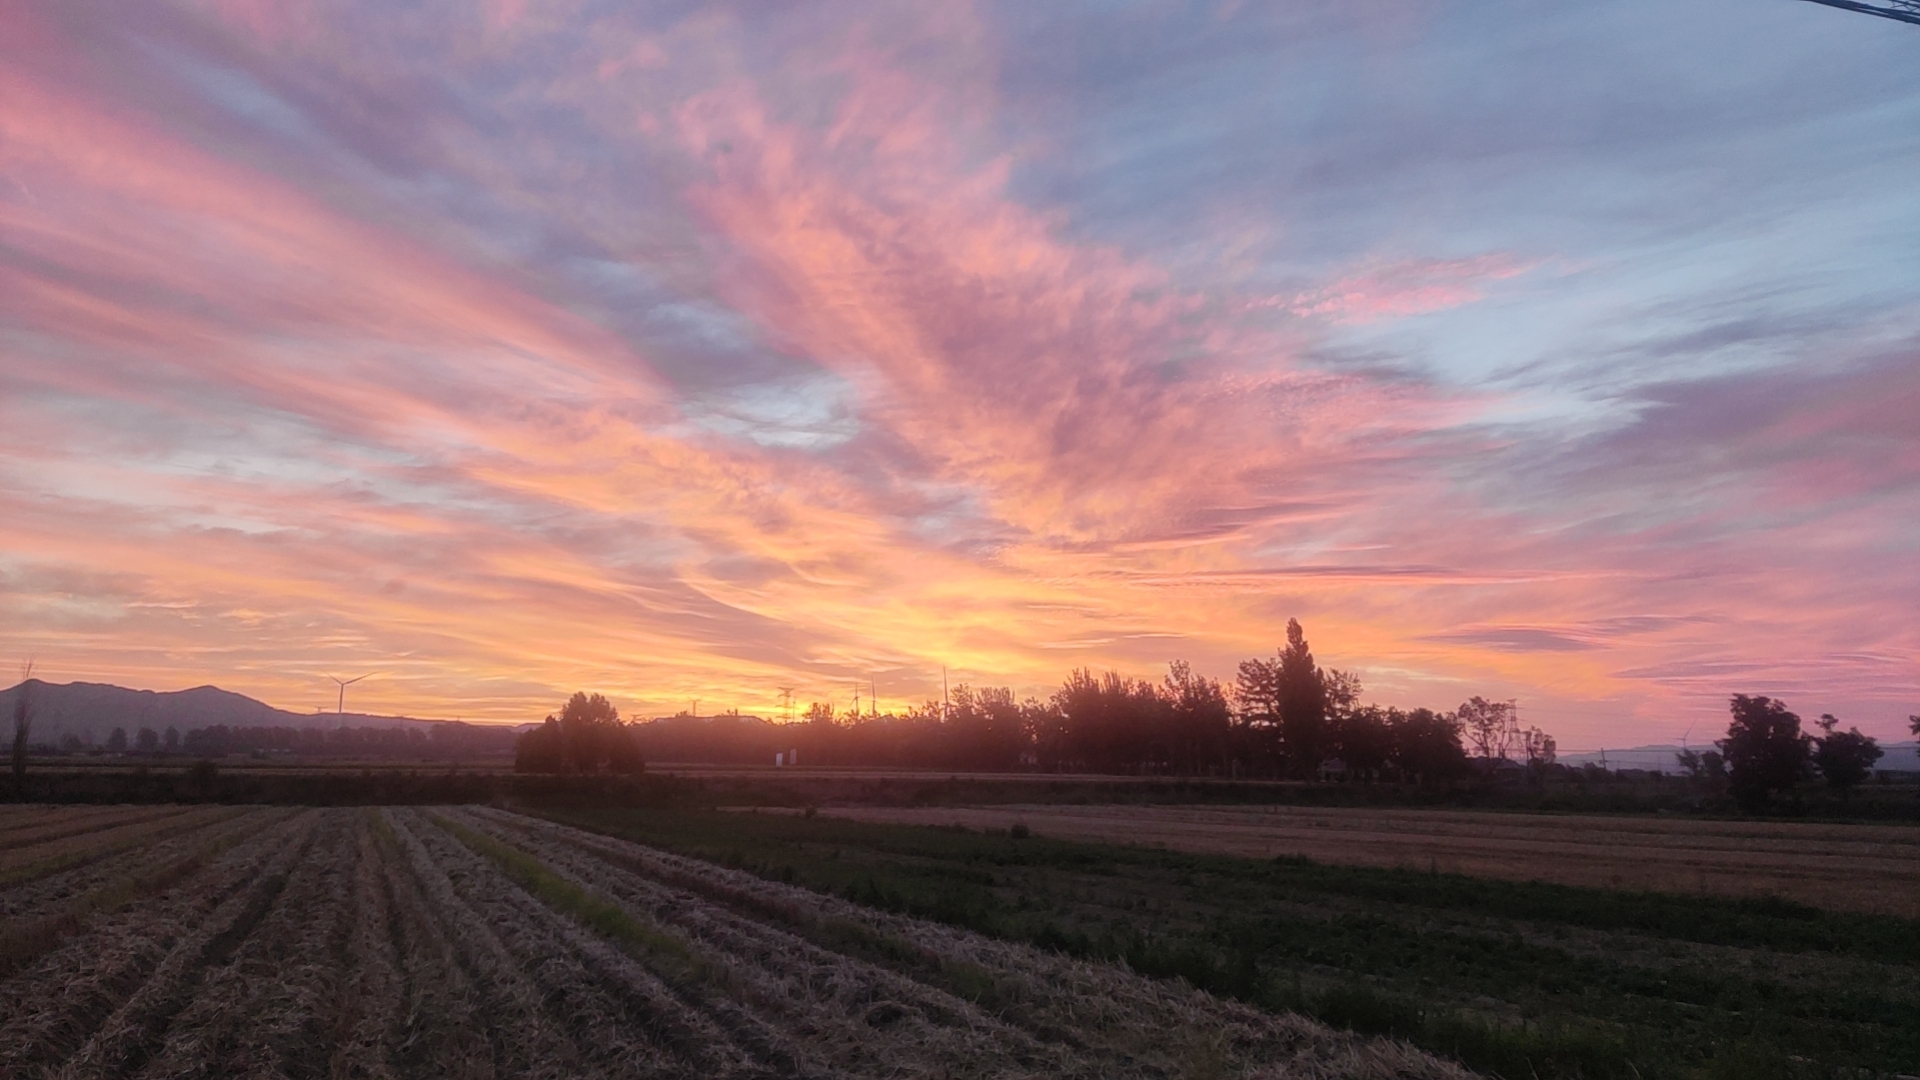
<point x="1561" y="352"/>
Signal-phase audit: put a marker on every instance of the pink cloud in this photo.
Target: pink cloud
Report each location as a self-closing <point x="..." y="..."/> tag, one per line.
<point x="1410" y="287"/>
<point x="1033" y="370"/>
<point x="256" y="423"/>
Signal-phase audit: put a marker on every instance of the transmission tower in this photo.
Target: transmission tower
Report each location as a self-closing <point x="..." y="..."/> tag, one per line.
<point x="1906" y="11"/>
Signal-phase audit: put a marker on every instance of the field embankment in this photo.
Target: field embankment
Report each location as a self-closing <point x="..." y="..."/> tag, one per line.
<point x="364" y="783"/>
<point x="467" y="942"/>
<point x="1868" y="868"/>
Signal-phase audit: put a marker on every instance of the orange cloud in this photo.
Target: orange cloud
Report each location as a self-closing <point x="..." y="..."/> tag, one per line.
<point x="259" y="424"/>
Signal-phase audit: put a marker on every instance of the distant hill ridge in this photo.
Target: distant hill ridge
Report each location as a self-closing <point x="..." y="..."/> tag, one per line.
<point x="1897" y="757"/>
<point x="92" y="710"/>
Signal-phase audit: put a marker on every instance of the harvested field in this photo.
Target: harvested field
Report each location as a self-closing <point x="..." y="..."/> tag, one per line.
<point x="1869" y="868"/>
<point x="1516" y="979"/>
<point x="48" y="858"/>
<point x="480" y="943"/>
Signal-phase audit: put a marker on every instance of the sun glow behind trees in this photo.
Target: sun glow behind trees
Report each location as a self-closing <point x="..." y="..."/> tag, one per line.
<point x="683" y="353"/>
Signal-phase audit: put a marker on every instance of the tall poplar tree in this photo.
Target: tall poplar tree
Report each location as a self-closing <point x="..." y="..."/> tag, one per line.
<point x="1303" y="704"/>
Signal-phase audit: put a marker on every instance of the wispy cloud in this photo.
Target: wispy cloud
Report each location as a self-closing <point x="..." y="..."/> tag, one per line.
<point x="1410" y="287"/>
<point x="696" y="354"/>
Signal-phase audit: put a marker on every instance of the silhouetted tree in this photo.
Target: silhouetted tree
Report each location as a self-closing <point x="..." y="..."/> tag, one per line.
<point x="1363" y="738"/>
<point x="536" y="751"/>
<point x="1708" y="767"/>
<point x="117" y="741"/>
<point x="1541" y="749"/>
<point x="147" y="740"/>
<point x="586" y="737"/>
<point x="623" y="755"/>
<point x="1202" y="722"/>
<point x="171" y="739"/>
<point x="1256" y="699"/>
<point x="984" y="729"/>
<point x="1426" y="745"/>
<point x="1765" y="750"/>
<point x="1341" y="690"/>
<point x="1844" y="757"/>
<point x="1303" y="704"/>
<point x="1046" y="728"/>
<point x="1489" y="727"/>
<point x="594" y="737"/>
<point x="1113" y="722"/>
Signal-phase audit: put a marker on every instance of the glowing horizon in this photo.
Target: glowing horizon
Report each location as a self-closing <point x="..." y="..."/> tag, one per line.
<point x="693" y="356"/>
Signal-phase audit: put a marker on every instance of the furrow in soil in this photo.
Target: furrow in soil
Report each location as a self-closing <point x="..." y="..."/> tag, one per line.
<point x="138" y="1027"/>
<point x="860" y="1017"/>
<point x="440" y="1030"/>
<point x="266" y="1007"/>
<point x="1119" y="1020"/>
<point x="620" y="1012"/>
<point x="57" y="1001"/>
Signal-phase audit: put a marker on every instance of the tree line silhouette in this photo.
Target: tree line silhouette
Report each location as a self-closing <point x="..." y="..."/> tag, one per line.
<point x="1281" y="717"/>
<point x="447" y="739"/>
<point x="1766" y="754"/>
<point x="587" y="737"/>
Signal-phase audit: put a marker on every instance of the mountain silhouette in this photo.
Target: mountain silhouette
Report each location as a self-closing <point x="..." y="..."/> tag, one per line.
<point x="92" y="710"/>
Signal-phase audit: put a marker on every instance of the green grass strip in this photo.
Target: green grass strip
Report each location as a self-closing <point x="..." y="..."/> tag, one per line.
<point x="577" y="902"/>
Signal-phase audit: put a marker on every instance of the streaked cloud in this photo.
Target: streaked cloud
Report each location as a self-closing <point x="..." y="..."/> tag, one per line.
<point x="695" y="353"/>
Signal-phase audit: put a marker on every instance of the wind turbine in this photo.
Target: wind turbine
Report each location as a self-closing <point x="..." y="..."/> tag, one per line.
<point x="340" y="707"/>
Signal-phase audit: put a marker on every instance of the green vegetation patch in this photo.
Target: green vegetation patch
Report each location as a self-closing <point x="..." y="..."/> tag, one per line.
<point x="1515" y="979"/>
<point x="587" y="907"/>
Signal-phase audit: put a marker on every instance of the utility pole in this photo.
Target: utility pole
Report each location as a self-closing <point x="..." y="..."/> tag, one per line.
<point x="1906" y="11"/>
<point x="22" y="722"/>
<point x="943" y="693"/>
